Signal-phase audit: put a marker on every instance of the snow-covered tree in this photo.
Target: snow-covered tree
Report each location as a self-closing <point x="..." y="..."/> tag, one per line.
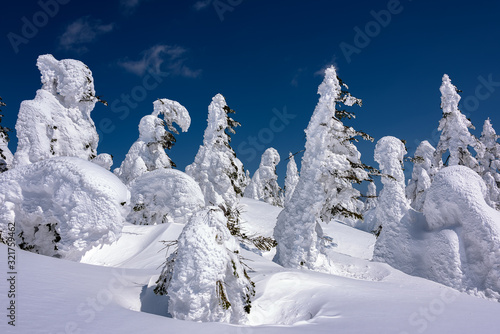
<point x="148" y="152"/>
<point x="423" y="171"/>
<point x="454" y="126"/>
<point x="6" y="156"/>
<point x="331" y="163"/>
<point x="57" y="122"/>
<point x="371" y="197"/>
<point x="488" y="156"/>
<point x="264" y="184"/>
<point x="205" y="277"/>
<point x="216" y="168"/>
<point x="62" y="206"/>
<point x="392" y="203"/>
<point x="292" y="177"/>
<point x="164" y="196"/>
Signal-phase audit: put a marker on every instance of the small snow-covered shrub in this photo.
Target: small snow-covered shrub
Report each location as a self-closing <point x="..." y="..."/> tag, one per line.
<point x="164" y="196"/>
<point x="204" y="277"/>
<point x="62" y="206"/>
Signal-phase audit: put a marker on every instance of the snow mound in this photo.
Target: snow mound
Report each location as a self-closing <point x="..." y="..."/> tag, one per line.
<point x="62" y="206"/>
<point x="57" y="122"/>
<point x="164" y="196"/>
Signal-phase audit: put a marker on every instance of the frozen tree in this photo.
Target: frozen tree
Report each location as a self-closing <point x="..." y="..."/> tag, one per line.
<point x="205" y="277"/>
<point x="6" y="156"/>
<point x="216" y="168"/>
<point x="331" y="163"/>
<point x="423" y="171"/>
<point x="164" y="196"/>
<point x="392" y="203"/>
<point x="57" y="122"/>
<point x="62" y="206"/>
<point x="488" y="156"/>
<point x="148" y="152"/>
<point x="292" y="177"/>
<point x="454" y="126"/>
<point x="264" y="184"/>
<point x="371" y="197"/>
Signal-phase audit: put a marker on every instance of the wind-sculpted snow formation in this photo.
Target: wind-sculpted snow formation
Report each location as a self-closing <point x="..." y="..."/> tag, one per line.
<point x="62" y="206"/>
<point x="57" y="122"/>
<point x="164" y="196"/>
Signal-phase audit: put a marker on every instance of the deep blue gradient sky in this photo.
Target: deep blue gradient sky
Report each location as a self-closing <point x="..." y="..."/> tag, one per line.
<point x="265" y="58"/>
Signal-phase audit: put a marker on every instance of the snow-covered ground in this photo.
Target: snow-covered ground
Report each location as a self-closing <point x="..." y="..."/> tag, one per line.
<point x="111" y="290"/>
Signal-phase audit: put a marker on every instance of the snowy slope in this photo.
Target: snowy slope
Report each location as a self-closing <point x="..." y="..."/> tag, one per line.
<point x="112" y="291"/>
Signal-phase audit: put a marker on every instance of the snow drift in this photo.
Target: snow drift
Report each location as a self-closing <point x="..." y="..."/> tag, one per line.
<point x="62" y="206"/>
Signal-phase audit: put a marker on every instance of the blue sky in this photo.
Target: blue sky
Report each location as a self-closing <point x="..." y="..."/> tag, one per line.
<point x="266" y="58"/>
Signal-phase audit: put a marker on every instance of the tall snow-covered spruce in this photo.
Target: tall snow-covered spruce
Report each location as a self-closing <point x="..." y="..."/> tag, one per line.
<point x="216" y="168"/>
<point x="454" y="126"/>
<point x="264" y="184"/>
<point x="488" y="156"/>
<point x="330" y="165"/>
<point x="292" y="177"/>
<point x="421" y="177"/>
<point x="57" y="122"/>
<point x="148" y="152"/>
<point x="6" y="156"/>
<point x="204" y="277"/>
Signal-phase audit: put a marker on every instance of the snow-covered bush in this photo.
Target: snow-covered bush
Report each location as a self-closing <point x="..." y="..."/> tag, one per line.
<point x="371" y="197"/>
<point x="264" y="184"/>
<point x="216" y="168"/>
<point x="204" y="277"/>
<point x="291" y="178"/>
<point x="454" y="126"/>
<point x="164" y="196"/>
<point x="148" y="152"/>
<point x="331" y="163"/>
<point x="62" y="206"/>
<point x="421" y="177"/>
<point x="488" y="156"/>
<point x="392" y="203"/>
<point x="57" y="122"/>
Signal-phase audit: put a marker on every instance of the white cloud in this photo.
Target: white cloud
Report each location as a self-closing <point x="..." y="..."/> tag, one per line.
<point x="161" y="58"/>
<point x="321" y="71"/>
<point x="129" y="6"/>
<point x="201" y="4"/>
<point x="83" y="31"/>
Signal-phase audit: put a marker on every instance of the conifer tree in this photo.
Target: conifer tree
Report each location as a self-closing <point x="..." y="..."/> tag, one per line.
<point x="292" y="177"/>
<point x="216" y="168"/>
<point x="148" y="152"/>
<point x="264" y="185"/>
<point x="423" y="172"/>
<point x="205" y="277"/>
<point x="454" y="126"/>
<point x="330" y="165"/>
<point x="371" y="197"/>
<point x="489" y="159"/>
<point x="6" y="156"/>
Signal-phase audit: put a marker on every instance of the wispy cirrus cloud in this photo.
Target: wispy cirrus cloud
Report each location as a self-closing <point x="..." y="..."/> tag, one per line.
<point x="201" y="4"/>
<point x="161" y="58"/>
<point x="81" y="32"/>
<point x="129" y="6"/>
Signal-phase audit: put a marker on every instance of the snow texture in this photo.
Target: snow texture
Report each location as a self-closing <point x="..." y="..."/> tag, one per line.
<point x="264" y="184"/>
<point x="216" y="168"/>
<point x="292" y="178"/>
<point x="454" y="126"/>
<point x="57" y="122"/>
<point x="62" y="206"/>
<point x="324" y="189"/>
<point x="164" y="196"/>
<point x="104" y="160"/>
<point x="148" y="152"/>
<point x="371" y="194"/>
<point x="392" y="202"/>
<point x="205" y="278"/>
<point x="423" y="172"/>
